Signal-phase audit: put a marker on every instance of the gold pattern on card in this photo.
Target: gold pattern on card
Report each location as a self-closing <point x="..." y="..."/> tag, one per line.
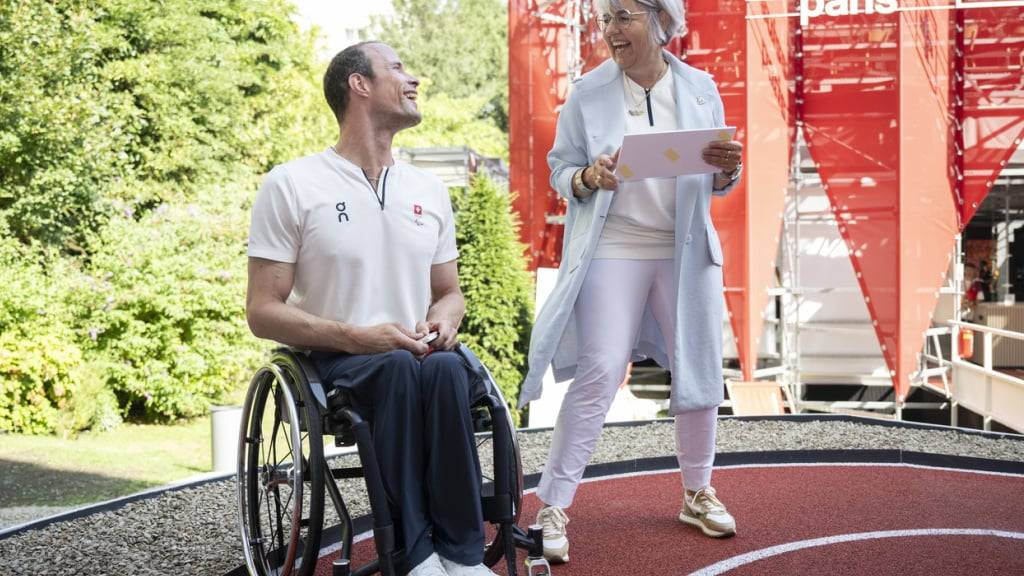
<point x="625" y="171"/>
<point x="724" y="136"/>
<point x="671" y="154"/>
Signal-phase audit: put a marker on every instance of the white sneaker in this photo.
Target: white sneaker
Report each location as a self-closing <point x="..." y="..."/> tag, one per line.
<point x="556" y="544"/>
<point x="430" y="567"/>
<point x="705" y="511"/>
<point x="455" y="569"/>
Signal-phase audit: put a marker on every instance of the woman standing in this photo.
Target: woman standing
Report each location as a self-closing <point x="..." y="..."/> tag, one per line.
<point x="641" y="263"/>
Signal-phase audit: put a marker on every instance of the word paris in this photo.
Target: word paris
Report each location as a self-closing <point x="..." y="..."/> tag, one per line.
<point x="844" y="8"/>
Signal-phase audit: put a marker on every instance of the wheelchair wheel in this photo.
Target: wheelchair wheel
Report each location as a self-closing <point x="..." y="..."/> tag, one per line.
<point x="494" y="551"/>
<point x="280" y="473"/>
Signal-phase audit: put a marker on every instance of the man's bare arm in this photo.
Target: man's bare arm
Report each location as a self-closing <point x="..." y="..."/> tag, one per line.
<point x="270" y="317"/>
<point x="447" y="305"/>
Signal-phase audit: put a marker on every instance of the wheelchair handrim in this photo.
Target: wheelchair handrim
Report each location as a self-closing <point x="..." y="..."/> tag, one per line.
<point x="257" y="397"/>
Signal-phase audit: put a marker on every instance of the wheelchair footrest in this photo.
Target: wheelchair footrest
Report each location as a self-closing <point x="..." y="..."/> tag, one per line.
<point x="341" y="567"/>
<point x="497" y="508"/>
<point x="537" y="567"/>
<point x="338" y="473"/>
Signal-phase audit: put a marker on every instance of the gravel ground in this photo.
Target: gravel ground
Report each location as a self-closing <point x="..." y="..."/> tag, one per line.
<point x="192" y="531"/>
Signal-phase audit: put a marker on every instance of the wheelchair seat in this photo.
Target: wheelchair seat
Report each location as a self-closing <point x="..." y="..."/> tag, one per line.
<point x="287" y="412"/>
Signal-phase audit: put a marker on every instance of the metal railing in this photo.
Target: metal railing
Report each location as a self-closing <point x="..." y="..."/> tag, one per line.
<point x="993" y="394"/>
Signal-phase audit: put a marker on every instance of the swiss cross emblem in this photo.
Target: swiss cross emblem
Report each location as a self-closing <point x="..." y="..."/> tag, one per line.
<point x="417" y="209"/>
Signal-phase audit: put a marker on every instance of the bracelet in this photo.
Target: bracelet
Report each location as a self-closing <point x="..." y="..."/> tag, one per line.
<point x="579" y="184"/>
<point x="734" y="173"/>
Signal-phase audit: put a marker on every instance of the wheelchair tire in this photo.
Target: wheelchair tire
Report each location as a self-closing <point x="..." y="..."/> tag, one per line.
<point x="280" y="505"/>
<point x="494" y="551"/>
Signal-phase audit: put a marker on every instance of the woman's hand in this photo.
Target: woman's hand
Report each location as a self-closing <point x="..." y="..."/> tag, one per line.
<point x="725" y="155"/>
<point x="601" y="174"/>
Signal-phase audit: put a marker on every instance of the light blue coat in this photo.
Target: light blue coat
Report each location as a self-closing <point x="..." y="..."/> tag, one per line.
<point x="592" y="122"/>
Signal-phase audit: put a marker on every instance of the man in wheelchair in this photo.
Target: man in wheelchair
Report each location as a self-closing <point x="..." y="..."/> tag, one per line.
<point x="352" y="256"/>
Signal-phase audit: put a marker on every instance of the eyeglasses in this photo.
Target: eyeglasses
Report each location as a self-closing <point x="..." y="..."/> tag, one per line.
<point x="622" y="19"/>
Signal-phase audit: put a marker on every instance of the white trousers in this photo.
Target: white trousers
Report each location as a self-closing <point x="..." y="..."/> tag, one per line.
<point x="608" y="312"/>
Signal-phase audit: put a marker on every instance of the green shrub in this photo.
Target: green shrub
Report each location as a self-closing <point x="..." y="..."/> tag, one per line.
<point x="45" y="385"/>
<point x="495" y="282"/>
<point x="165" y="311"/>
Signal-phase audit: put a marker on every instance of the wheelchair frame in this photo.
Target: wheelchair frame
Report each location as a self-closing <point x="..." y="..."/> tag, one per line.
<point x="284" y="538"/>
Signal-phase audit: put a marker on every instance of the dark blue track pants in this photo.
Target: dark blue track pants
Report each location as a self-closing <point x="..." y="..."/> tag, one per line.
<point x="422" y="430"/>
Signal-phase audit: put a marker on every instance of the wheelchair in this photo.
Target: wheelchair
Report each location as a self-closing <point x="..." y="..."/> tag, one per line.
<point x="283" y="474"/>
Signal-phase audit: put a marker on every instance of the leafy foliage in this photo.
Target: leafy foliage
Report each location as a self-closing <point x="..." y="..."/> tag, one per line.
<point x="459" y="46"/>
<point x="165" y="309"/>
<point x="130" y="135"/>
<point x="121" y="104"/>
<point x="44" y="384"/>
<point x="449" y="121"/>
<point x="495" y="282"/>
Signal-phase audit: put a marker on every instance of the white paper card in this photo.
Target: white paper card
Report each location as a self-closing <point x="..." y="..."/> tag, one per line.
<point x="668" y="154"/>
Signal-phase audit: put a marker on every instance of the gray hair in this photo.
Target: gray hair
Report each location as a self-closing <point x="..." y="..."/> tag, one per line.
<point x="659" y="35"/>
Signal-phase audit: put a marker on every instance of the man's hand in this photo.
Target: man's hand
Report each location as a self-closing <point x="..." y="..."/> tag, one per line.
<point x="385" y="338"/>
<point x="447" y="334"/>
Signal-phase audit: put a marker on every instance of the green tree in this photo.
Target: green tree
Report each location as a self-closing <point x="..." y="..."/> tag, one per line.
<point x="131" y="133"/>
<point x="495" y="282"/>
<point x="116" y="105"/>
<point x="460" y="46"/>
<point x="60" y="137"/>
<point x="449" y="121"/>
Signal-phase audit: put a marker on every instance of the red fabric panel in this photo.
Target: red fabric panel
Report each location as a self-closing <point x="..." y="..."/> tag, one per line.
<point x="750" y="61"/>
<point x="716" y="43"/>
<point x="928" y="219"/>
<point x="878" y="126"/>
<point x="769" y="133"/>
<point x="851" y="113"/>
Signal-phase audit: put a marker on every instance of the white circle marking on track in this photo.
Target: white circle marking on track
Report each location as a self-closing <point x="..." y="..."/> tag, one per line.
<point x="750" y="557"/>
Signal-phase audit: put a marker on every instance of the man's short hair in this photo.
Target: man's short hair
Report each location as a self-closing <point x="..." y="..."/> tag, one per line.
<point x="351" y="60"/>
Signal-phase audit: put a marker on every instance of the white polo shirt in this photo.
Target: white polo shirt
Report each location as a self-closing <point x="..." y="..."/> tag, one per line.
<point x="362" y="256"/>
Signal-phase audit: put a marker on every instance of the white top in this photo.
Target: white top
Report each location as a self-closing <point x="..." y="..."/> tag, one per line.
<point x="355" y="261"/>
<point x="642" y="215"/>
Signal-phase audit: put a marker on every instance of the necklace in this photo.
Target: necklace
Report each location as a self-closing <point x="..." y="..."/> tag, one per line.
<point x="383" y="189"/>
<point x="380" y="195"/>
<point x="637" y="109"/>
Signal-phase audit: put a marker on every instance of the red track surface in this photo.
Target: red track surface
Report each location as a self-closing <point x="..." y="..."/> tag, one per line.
<point x="627" y="525"/>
